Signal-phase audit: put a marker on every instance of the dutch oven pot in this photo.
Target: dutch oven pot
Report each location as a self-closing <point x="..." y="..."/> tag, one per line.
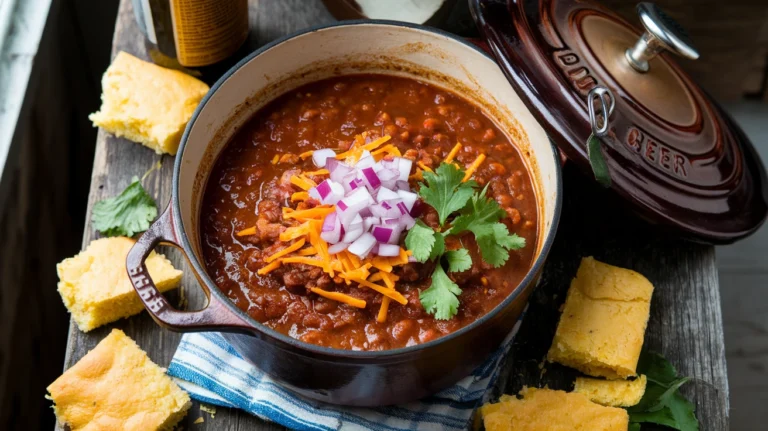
<point x="362" y="378"/>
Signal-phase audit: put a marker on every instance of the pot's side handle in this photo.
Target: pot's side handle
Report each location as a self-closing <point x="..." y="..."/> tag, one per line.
<point x="216" y="316"/>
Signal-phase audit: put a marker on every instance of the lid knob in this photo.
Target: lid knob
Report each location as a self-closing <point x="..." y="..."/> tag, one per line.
<point x="661" y="33"/>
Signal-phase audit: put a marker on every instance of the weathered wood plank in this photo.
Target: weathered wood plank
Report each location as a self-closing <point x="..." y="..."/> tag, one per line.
<point x="685" y="325"/>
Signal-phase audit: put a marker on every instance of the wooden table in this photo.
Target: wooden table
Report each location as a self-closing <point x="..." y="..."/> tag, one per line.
<point x="685" y="323"/>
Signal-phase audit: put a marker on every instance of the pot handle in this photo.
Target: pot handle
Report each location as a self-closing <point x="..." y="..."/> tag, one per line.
<point x="215" y="316"/>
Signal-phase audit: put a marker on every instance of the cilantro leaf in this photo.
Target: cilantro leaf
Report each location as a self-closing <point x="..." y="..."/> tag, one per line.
<point x="481" y="217"/>
<point x="662" y="404"/>
<point x="458" y="260"/>
<point x="656" y="368"/>
<point x="444" y="190"/>
<point x="420" y="240"/>
<point x="441" y="299"/>
<point x="439" y="248"/>
<point x="126" y="214"/>
<point x="634" y="427"/>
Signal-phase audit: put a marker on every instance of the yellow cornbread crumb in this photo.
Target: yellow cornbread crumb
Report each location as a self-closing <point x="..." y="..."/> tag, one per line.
<point x="550" y="410"/>
<point x="117" y="387"/>
<point x="147" y="103"/>
<point x="94" y="285"/>
<point x="615" y="393"/>
<point x="603" y="323"/>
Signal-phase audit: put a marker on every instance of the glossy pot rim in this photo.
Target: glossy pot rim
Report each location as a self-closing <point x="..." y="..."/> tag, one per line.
<point x="201" y="272"/>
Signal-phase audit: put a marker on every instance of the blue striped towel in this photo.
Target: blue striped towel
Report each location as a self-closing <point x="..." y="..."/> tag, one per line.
<point x="207" y="367"/>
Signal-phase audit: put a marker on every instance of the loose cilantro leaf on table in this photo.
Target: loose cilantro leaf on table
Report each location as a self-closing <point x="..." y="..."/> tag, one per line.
<point x="472" y="211"/>
<point x="126" y="214"/>
<point x="444" y="190"/>
<point x="441" y="299"/>
<point x="662" y="404"/>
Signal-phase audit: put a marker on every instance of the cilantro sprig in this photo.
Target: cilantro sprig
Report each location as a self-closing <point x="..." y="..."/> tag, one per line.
<point x="126" y="214"/>
<point x="460" y="208"/>
<point x="662" y="404"/>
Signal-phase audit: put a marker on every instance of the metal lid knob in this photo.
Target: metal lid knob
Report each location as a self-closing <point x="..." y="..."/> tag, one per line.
<point x="661" y="33"/>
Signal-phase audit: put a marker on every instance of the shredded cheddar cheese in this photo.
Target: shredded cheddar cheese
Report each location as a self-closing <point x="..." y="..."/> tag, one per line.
<point x="340" y="297"/>
<point x="302" y="182"/>
<point x="309" y="251"/>
<point x="299" y="196"/>
<point x="473" y="167"/>
<point x="250" y="231"/>
<point x="317" y="172"/>
<point x="294" y="232"/>
<point x="388" y="149"/>
<point x="317" y="212"/>
<point x="391" y="293"/>
<point x="418" y="175"/>
<point x="308" y="248"/>
<point x="382" y="316"/>
<point x="293" y="247"/>
<point x="454" y="151"/>
<point x="353" y="154"/>
<point x="361" y="272"/>
<point x="269" y="268"/>
<point x="424" y="167"/>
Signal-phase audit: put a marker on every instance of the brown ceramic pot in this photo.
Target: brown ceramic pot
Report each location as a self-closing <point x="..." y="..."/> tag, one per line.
<point x="332" y="375"/>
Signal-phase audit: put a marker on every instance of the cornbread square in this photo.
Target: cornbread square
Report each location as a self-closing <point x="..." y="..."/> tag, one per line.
<point x="603" y="323"/>
<point x="615" y="393"/>
<point x="117" y="387"/>
<point x="147" y="103"/>
<point x="550" y="410"/>
<point x="94" y="285"/>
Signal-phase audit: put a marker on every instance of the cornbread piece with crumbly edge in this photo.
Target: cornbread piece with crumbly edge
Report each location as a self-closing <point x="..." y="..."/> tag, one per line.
<point x="615" y="393"/>
<point x="603" y="323"/>
<point x="117" y="387"/>
<point x="550" y="410"/>
<point x="94" y="285"/>
<point x="147" y="103"/>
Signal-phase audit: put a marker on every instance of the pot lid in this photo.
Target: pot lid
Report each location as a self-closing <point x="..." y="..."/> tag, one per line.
<point x="671" y="151"/>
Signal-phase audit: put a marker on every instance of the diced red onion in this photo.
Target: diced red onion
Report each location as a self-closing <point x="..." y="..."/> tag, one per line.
<point x="337" y="170"/>
<point x="403" y="185"/>
<point x="342" y="206"/>
<point x="329" y="221"/>
<point x="336" y="231"/>
<point x="371" y="178"/>
<point x="404" y="167"/>
<point x="409" y="198"/>
<point x="388" y="174"/>
<point x="396" y="231"/>
<point x="337" y="248"/>
<point x="386" y="194"/>
<point x="407" y="221"/>
<point x="352" y="234"/>
<point x="392" y="220"/>
<point x="363" y="245"/>
<point x="356" y="223"/>
<point x="366" y="160"/>
<point x="381" y="233"/>
<point x="402" y="208"/>
<point x="412" y="259"/>
<point x="320" y="157"/>
<point x="327" y="192"/>
<point x="388" y="250"/>
<point x="370" y="221"/>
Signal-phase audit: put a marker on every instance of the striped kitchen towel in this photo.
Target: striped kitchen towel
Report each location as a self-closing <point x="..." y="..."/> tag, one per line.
<point x="207" y="367"/>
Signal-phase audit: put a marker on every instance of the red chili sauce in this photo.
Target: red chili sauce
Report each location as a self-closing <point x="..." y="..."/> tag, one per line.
<point x="247" y="189"/>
